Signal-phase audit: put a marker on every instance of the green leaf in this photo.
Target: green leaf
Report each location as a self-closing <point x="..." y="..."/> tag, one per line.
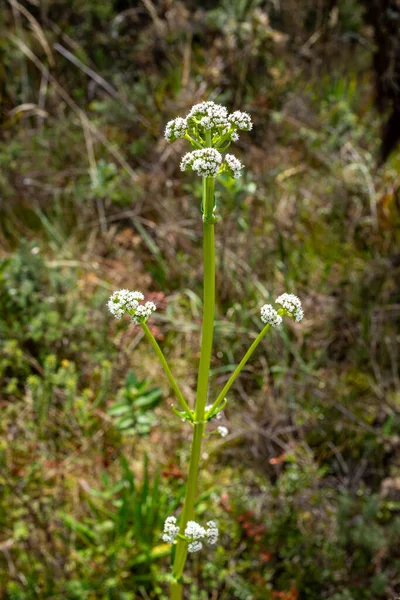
<point x="118" y="409"/>
<point x="125" y="422"/>
<point x="81" y="530"/>
<point x="152" y="398"/>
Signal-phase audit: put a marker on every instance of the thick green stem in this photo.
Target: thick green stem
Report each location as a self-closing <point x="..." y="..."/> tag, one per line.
<point x="188" y="507"/>
<point x="208" y="301"/>
<point x="202" y="381"/>
<point x="239" y="367"/>
<point x="176" y="591"/>
<point x="166" y="368"/>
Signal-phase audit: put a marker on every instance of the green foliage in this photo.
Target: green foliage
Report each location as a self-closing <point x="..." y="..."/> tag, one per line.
<point x="117" y="545"/>
<point x="113" y="552"/>
<point x="134" y="405"/>
<point x="41" y="314"/>
<point x="36" y="310"/>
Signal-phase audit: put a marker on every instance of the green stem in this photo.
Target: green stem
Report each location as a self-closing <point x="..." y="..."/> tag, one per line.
<point x="202" y="382"/>
<point x="176" y="591"/>
<point x="208" y="301"/>
<point x="188" y="506"/>
<point x="193" y="141"/>
<point x="166" y="368"/>
<point x="239" y="367"/>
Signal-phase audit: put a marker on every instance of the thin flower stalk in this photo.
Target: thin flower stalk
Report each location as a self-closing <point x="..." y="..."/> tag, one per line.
<point x="166" y="368"/>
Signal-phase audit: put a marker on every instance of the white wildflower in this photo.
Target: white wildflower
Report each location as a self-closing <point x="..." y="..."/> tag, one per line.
<point x="212" y="533"/>
<point x="195" y="547"/>
<point x="133" y="299"/>
<point x="150" y="306"/>
<point x="171" y="530"/>
<point x="299" y="315"/>
<point x="116" y="303"/>
<point x="205" y="162"/>
<point x="196" y="534"/>
<point x="242" y="120"/>
<point x="122" y="301"/>
<point x="234" y="136"/>
<point x="175" y="129"/>
<point x="269" y="315"/>
<point x="234" y="166"/>
<point x="206" y="122"/>
<point x="209" y="115"/>
<point x="223" y="431"/>
<point x="143" y="312"/>
<point x="194" y="531"/>
<point x="292" y="304"/>
<point x="125" y="301"/>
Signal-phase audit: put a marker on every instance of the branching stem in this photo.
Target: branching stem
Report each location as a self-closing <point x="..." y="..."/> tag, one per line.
<point x="239" y="367"/>
<point x="166" y="368"/>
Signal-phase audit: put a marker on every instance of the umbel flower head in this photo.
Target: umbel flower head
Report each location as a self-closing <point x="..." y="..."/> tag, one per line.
<point x="233" y="166"/>
<point x="125" y="301"/>
<point x="196" y="534"/>
<point x="270" y="315"/>
<point x="290" y="305"/>
<point x="205" y="162"/>
<point x="175" y="129"/>
<point x="242" y="120"/>
<point x="212" y="533"/>
<point x="208" y="115"/>
<point x="210" y="129"/>
<point x="171" y="530"/>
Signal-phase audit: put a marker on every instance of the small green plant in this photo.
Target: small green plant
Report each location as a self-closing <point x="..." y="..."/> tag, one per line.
<point x="134" y="406"/>
<point x="119" y="535"/>
<point x="209" y="129"/>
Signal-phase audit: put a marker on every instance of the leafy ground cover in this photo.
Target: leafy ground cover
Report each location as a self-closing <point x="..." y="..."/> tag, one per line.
<point x="306" y="486"/>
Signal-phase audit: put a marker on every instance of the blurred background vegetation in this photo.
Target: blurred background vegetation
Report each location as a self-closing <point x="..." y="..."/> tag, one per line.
<point x="306" y="488"/>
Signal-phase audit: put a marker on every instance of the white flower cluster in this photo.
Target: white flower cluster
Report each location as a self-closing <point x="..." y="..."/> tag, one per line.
<point x="209" y="115"/>
<point x="270" y="316"/>
<point x="205" y="162"/>
<point x="175" y="129"/>
<point x="122" y="301"/>
<point x="292" y="304"/>
<point x="212" y="533"/>
<point x="196" y="534"/>
<point x="143" y="312"/>
<point x="289" y="302"/>
<point x="241" y="120"/>
<point x="205" y="122"/>
<point x="171" y="530"/>
<point x="223" y="431"/>
<point x="125" y="301"/>
<point x="234" y="166"/>
<point x="209" y="122"/>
